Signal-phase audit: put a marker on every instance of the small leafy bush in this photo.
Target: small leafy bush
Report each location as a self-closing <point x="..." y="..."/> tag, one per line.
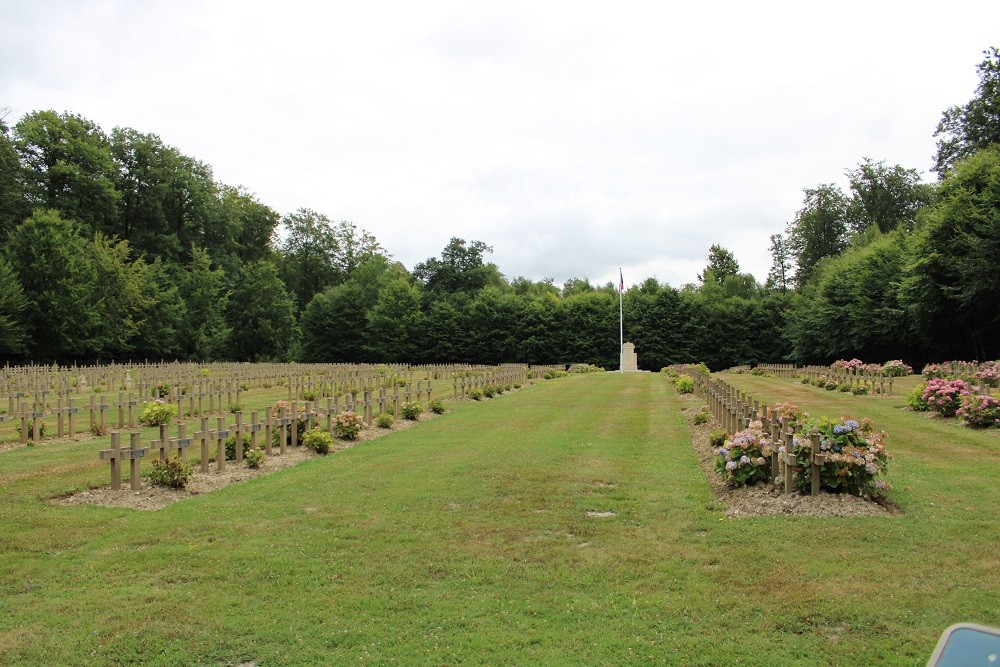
<point x="236" y="407"/>
<point x="476" y="395"/>
<point x="173" y="473"/>
<point x="41" y="427"/>
<point x="436" y="406"/>
<point x="718" y="437"/>
<point x="860" y="390"/>
<point x="276" y="432"/>
<point x="844" y="388"/>
<point x="162" y="389"/>
<point x="156" y="413"/>
<point x="309" y="396"/>
<point x="743" y="460"/>
<point x="255" y="458"/>
<point x="97" y="429"/>
<point x="830" y="385"/>
<point x="915" y="399"/>
<point x="231" y="447"/>
<point x="244" y="386"/>
<point x="412" y="411"/>
<point x="684" y="384"/>
<point x="933" y="371"/>
<point x="320" y="441"/>
<point x="385" y="420"/>
<point x="979" y="411"/>
<point x="517" y="386"/>
<point x="489" y="390"/>
<point x="347" y="425"/>
<point x="701" y="417"/>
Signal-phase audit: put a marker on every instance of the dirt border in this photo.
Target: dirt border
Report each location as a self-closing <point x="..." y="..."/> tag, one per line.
<point x="767" y="500"/>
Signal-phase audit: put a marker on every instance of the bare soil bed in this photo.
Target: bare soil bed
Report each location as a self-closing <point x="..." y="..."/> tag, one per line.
<point x="151" y="497"/>
<point x="767" y="500"/>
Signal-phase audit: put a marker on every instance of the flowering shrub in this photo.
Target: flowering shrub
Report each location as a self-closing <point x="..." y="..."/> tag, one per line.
<point x="743" y="459"/>
<point x="157" y="412"/>
<point x="300" y="427"/>
<point x="896" y="368"/>
<point x="855" y="452"/>
<point x="788" y="414"/>
<point x="347" y="425"/>
<point x="945" y="396"/>
<point x="989" y="377"/>
<point x="684" y="384"/>
<point x="979" y="411"/>
<point x="255" y="458"/>
<point x="932" y="371"/>
<point x="436" y="406"/>
<point x="853" y="364"/>
<point x="412" y="411"/>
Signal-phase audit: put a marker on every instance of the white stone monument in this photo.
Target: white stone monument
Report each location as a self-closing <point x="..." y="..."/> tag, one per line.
<point x="629" y="361"/>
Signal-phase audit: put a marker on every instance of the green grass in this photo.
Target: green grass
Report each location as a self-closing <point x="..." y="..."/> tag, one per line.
<point x="466" y="540"/>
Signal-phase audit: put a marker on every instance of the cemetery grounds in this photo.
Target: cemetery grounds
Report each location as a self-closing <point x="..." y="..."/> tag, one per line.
<point x="568" y="522"/>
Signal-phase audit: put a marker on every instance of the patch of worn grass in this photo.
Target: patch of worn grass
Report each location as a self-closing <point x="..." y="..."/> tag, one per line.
<point x="467" y="540"/>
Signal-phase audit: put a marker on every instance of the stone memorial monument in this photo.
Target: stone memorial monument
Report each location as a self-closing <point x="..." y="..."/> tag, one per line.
<point x="629" y="361"/>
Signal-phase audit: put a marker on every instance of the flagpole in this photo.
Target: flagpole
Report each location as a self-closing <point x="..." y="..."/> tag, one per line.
<point x="621" y="322"/>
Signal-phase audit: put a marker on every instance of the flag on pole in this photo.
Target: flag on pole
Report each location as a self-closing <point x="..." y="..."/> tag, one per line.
<point x="621" y="281"/>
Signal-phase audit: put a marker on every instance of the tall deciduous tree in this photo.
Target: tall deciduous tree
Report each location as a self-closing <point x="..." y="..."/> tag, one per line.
<point x="721" y="264"/>
<point x="952" y="292"/>
<point x="780" y="275"/>
<point x="963" y="130"/>
<point x="203" y="287"/>
<point x="67" y="166"/>
<point x="819" y="229"/>
<point x="884" y="197"/>
<point x="12" y="306"/>
<point x="460" y="269"/>
<point x="261" y="314"/>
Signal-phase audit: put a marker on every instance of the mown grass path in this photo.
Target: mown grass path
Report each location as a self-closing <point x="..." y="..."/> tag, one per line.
<point x="468" y="541"/>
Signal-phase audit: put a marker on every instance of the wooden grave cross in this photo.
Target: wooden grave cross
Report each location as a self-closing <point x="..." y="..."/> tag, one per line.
<point x="203" y="436"/>
<point x="181" y="442"/>
<point x="282" y="423"/>
<point x="238" y="431"/>
<point x="131" y="403"/>
<point x="221" y="434"/>
<point x="253" y="429"/>
<point x="134" y="453"/>
<point x="295" y="425"/>
<point x="114" y="457"/>
<point x="162" y="446"/>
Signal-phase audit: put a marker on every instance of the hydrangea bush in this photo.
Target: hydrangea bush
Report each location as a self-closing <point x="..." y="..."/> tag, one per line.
<point x="743" y="459"/>
<point x="856" y="456"/>
<point x="896" y="368"/>
<point x="945" y="396"/>
<point x="979" y="411"/>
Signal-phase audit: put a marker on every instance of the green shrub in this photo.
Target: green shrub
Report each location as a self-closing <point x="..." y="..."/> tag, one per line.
<point x="320" y="441"/>
<point x="41" y="428"/>
<point x="97" y="429"/>
<point x="231" y="447"/>
<point x="236" y="407"/>
<point x="156" y="413"/>
<point x="173" y="473"/>
<point x="718" y="437"/>
<point x="860" y="390"/>
<point x="489" y="390"/>
<point x="347" y="425"/>
<point x="844" y="388"/>
<point x="517" y="386"/>
<point x="830" y="385"/>
<point x="436" y="406"/>
<point x="412" y="411"/>
<point x="806" y="380"/>
<point x="400" y="382"/>
<point x="476" y="395"/>
<point x="702" y="417"/>
<point x="255" y="458"/>
<point x="915" y="399"/>
<point x="385" y="420"/>
<point x="309" y="396"/>
<point x="244" y="386"/>
<point x="684" y="384"/>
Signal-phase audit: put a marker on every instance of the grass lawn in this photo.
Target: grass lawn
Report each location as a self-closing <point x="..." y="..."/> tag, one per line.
<point x="467" y="540"/>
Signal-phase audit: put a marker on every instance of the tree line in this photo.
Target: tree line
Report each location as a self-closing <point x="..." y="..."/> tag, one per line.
<point x="118" y="246"/>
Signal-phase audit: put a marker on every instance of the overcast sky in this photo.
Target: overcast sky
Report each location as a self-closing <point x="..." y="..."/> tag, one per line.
<point x="573" y="137"/>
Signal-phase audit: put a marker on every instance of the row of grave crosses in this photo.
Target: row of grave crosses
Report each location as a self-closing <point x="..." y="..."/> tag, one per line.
<point x="735" y="411"/>
<point x="285" y="424"/>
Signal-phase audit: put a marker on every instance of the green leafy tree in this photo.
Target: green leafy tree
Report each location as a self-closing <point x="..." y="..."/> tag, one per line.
<point x="13" y="303"/>
<point x="884" y="197"/>
<point x="819" y="229"/>
<point x="67" y="166"/>
<point x="14" y="207"/>
<point x="163" y="318"/>
<point x="953" y="285"/>
<point x="203" y="287"/>
<point x="780" y="275"/>
<point x="261" y="315"/>
<point x="721" y="264"/>
<point x="963" y="130"/>
<point x="49" y="258"/>
<point x="395" y="323"/>
<point x="116" y="295"/>
<point x="460" y="269"/>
